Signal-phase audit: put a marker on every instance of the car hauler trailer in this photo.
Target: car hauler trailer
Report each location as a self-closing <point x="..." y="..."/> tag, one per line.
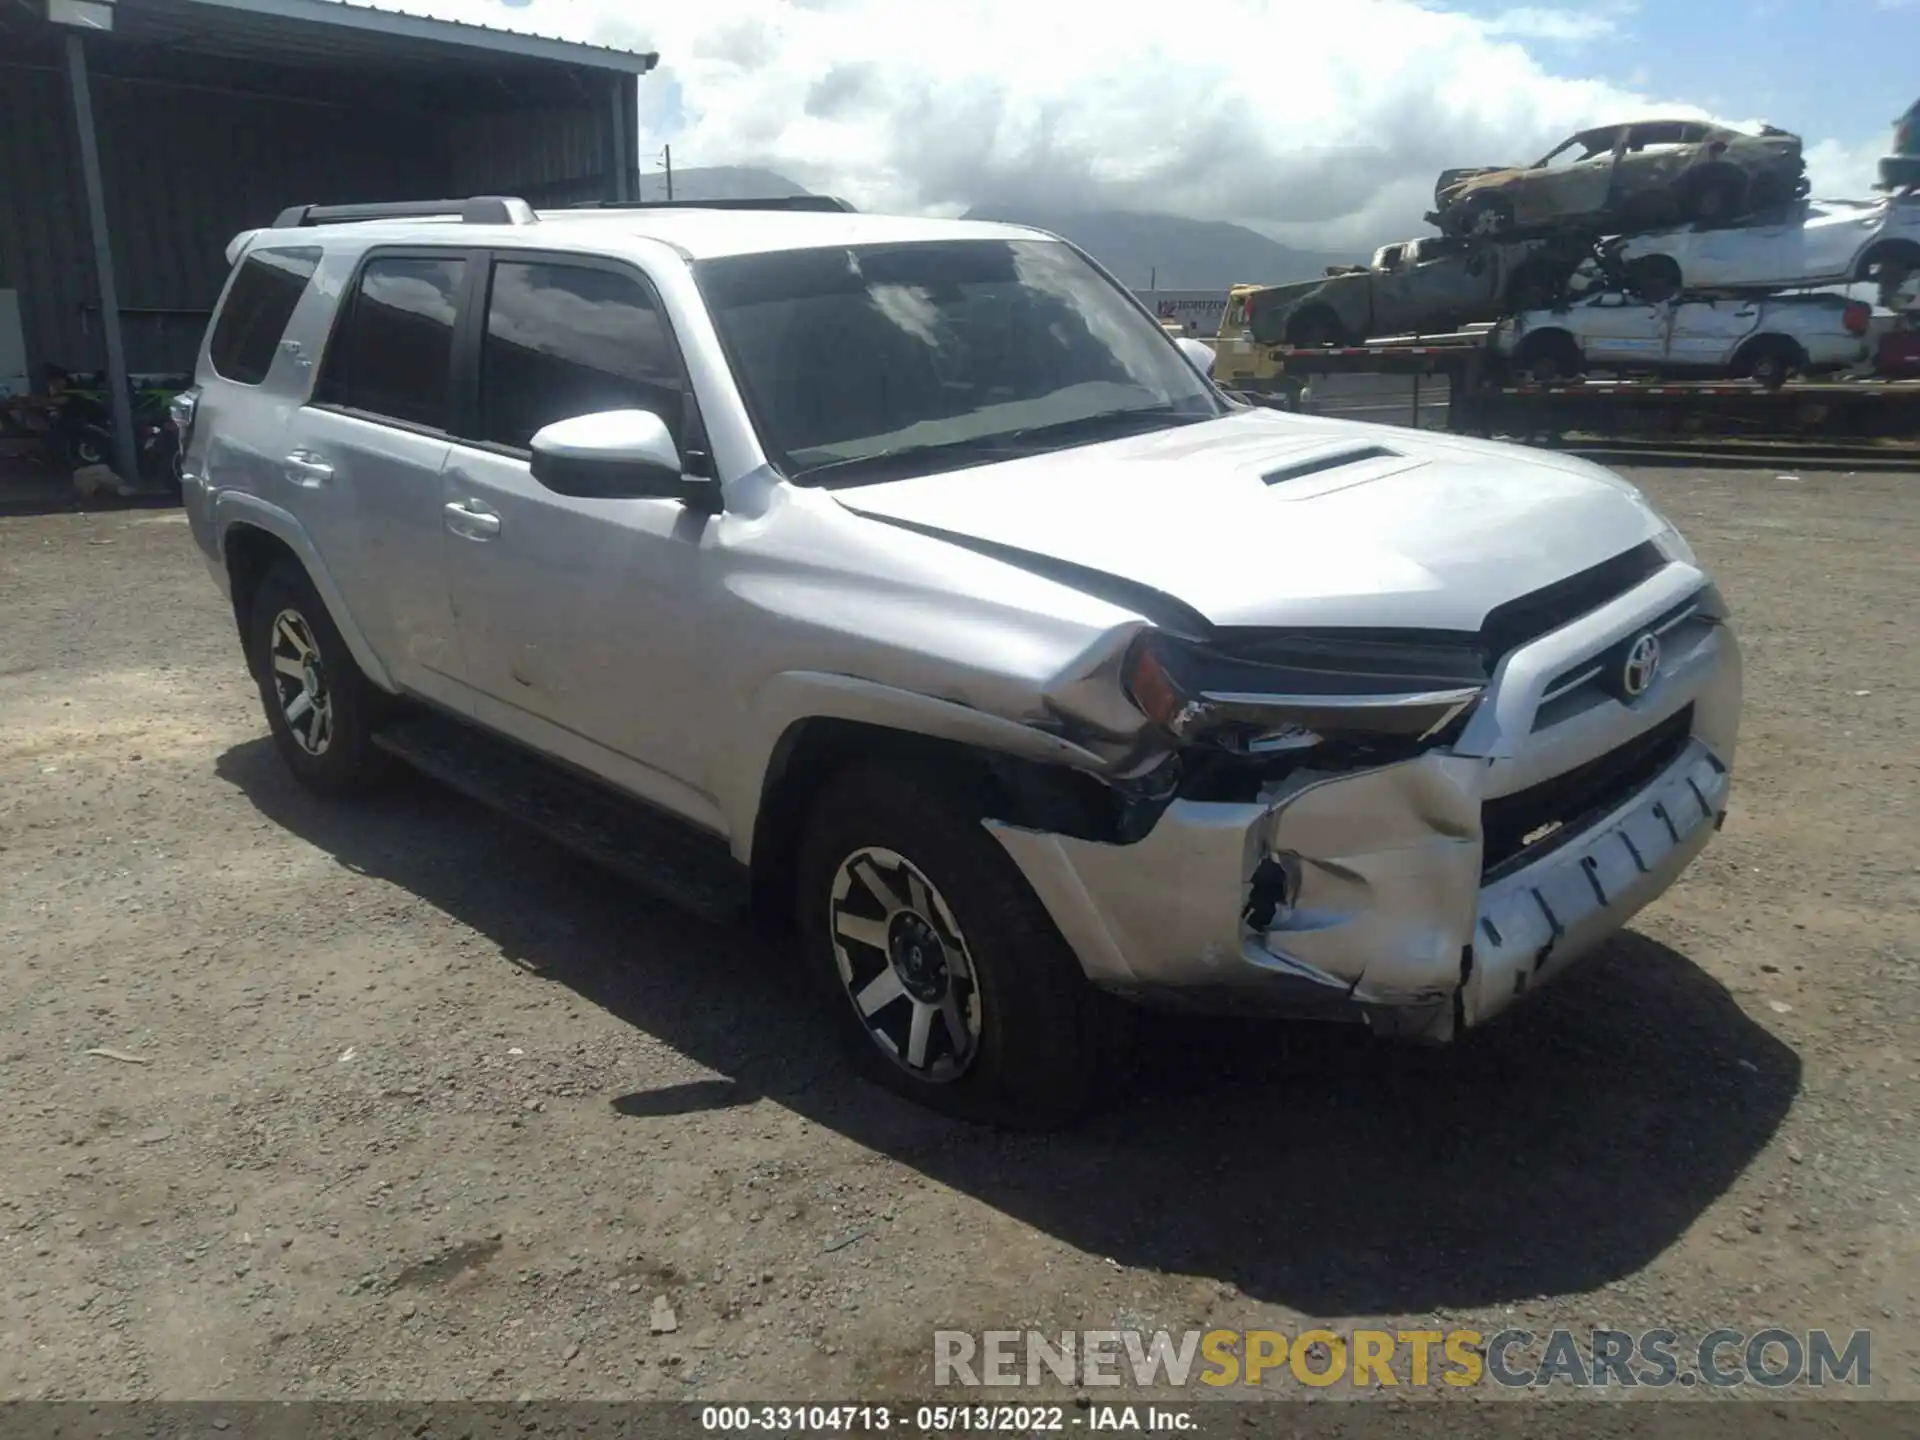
<point x="1483" y="398"/>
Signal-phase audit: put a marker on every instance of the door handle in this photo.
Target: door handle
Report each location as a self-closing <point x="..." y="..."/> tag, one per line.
<point x="471" y="520"/>
<point x="306" y="468"/>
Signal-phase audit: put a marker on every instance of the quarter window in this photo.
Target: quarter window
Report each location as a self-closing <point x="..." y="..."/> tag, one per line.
<point x="567" y="340"/>
<point x="259" y="303"/>
<point x="392" y="354"/>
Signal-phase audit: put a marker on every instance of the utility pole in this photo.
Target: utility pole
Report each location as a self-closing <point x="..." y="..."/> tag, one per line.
<point x="666" y="153"/>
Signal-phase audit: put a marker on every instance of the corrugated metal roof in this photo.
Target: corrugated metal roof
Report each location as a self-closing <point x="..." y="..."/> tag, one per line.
<point x="263" y="18"/>
<point x="329" y="32"/>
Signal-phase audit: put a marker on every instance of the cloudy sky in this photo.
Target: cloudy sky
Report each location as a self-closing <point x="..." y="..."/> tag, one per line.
<point x="1319" y="122"/>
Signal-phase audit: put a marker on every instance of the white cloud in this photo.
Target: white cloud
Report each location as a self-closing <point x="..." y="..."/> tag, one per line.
<point x="1844" y="172"/>
<point x="1566" y="27"/>
<point x="1318" y="122"/>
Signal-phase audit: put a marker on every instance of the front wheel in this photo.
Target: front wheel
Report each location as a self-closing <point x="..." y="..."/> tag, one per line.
<point x="946" y="976"/>
<point x="1715" y="194"/>
<point x="1551" y="357"/>
<point x="1484" y="215"/>
<point x="1653" y="278"/>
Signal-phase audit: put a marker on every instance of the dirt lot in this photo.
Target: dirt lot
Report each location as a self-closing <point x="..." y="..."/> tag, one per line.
<point x="425" y="1108"/>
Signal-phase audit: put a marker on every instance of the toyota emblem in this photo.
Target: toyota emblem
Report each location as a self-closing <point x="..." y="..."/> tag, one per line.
<point x="1643" y="663"/>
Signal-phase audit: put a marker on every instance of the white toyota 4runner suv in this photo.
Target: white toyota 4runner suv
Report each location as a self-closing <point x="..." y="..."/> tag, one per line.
<point x="904" y="579"/>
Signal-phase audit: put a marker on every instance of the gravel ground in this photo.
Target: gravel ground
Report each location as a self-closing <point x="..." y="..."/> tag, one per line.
<point x="401" y="1101"/>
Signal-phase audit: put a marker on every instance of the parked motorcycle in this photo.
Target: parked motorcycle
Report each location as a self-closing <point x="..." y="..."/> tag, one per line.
<point x="83" y="429"/>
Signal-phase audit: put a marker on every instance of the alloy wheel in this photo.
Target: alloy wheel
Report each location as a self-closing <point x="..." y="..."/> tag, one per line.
<point x="300" y="683"/>
<point x="904" y="965"/>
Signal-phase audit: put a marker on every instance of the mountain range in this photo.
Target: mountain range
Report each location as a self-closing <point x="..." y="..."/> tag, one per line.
<point x="1144" y="251"/>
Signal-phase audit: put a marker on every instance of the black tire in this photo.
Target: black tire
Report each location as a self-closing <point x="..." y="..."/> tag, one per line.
<point x="1040" y="1040"/>
<point x="1715" y="194"/>
<point x="90" y="446"/>
<point x="1653" y="278"/>
<point x="1772" y="360"/>
<point x="1549" y="357"/>
<point x="284" y="614"/>
<point x="1314" y="329"/>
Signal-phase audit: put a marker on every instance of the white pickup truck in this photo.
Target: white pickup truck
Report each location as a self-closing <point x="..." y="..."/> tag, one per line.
<point x="1761" y="339"/>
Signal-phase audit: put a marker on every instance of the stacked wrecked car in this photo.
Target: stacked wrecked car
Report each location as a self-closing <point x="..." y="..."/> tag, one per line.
<point x="1659" y="245"/>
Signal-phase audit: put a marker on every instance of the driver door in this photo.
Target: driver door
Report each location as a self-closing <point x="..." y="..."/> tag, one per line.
<point x="576" y="615"/>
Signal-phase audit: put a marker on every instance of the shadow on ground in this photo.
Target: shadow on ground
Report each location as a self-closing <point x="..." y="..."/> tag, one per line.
<point x="32" y="489"/>
<point x="1305" y="1165"/>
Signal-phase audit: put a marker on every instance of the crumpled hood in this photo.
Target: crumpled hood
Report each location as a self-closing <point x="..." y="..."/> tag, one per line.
<point x="1452" y="184"/>
<point x="1268" y="518"/>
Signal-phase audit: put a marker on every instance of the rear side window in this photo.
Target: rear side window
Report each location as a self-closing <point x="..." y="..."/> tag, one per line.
<point x="392" y="351"/>
<point x="567" y="340"/>
<point x="259" y="303"/>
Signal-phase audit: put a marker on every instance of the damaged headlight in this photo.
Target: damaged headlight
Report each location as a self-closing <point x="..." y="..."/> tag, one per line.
<point x="1269" y="692"/>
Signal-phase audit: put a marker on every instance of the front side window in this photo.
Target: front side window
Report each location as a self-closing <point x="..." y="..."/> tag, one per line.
<point x="1581" y="148"/>
<point x="941" y="353"/>
<point x="567" y="340"/>
<point x="392" y="352"/>
<point x="259" y="304"/>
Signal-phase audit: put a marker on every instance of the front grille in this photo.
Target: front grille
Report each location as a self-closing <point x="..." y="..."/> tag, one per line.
<point x="1525" y="619"/>
<point x="1609" y="661"/>
<point x="1556" y="810"/>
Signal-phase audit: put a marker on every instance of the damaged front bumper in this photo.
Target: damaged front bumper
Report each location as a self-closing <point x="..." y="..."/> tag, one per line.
<point x="1408" y="895"/>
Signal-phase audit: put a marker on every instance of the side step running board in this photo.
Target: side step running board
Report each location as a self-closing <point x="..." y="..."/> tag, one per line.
<point x="660" y="854"/>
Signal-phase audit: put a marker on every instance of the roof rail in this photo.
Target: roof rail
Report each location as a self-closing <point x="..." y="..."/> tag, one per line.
<point x="475" y="210"/>
<point x="769" y="202"/>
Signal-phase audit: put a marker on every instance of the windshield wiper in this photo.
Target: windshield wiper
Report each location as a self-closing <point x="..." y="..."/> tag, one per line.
<point x="1163" y="415"/>
<point x="1008" y="442"/>
<point x="958" y="452"/>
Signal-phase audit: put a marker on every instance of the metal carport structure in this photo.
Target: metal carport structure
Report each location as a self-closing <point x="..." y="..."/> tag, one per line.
<point x="137" y="137"/>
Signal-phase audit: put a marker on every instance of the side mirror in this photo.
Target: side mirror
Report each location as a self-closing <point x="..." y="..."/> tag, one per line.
<point x="1199" y="352"/>
<point x="617" y="455"/>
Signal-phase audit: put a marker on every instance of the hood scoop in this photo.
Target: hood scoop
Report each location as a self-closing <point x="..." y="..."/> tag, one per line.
<point x="1336" y="470"/>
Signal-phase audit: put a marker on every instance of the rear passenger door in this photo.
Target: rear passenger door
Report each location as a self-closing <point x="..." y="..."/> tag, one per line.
<point x="368" y="449"/>
<point x="1707" y="333"/>
<point x="578" y="617"/>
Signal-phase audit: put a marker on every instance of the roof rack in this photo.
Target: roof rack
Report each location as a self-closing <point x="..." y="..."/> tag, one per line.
<point x="769" y="202"/>
<point x="475" y="210"/>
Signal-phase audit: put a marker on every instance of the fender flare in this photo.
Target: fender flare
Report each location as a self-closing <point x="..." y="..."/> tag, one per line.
<point x="237" y="507"/>
<point x="792" y="696"/>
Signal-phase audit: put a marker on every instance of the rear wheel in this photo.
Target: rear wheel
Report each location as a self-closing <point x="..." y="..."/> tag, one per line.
<point x="91" y="445"/>
<point x="320" y="708"/>
<point x="946" y="976"/>
<point x="1312" y="329"/>
<point x="1772" y="360"/>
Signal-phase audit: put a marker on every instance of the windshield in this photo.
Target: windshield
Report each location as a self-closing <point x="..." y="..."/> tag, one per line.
<point x="950" y="352"/>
